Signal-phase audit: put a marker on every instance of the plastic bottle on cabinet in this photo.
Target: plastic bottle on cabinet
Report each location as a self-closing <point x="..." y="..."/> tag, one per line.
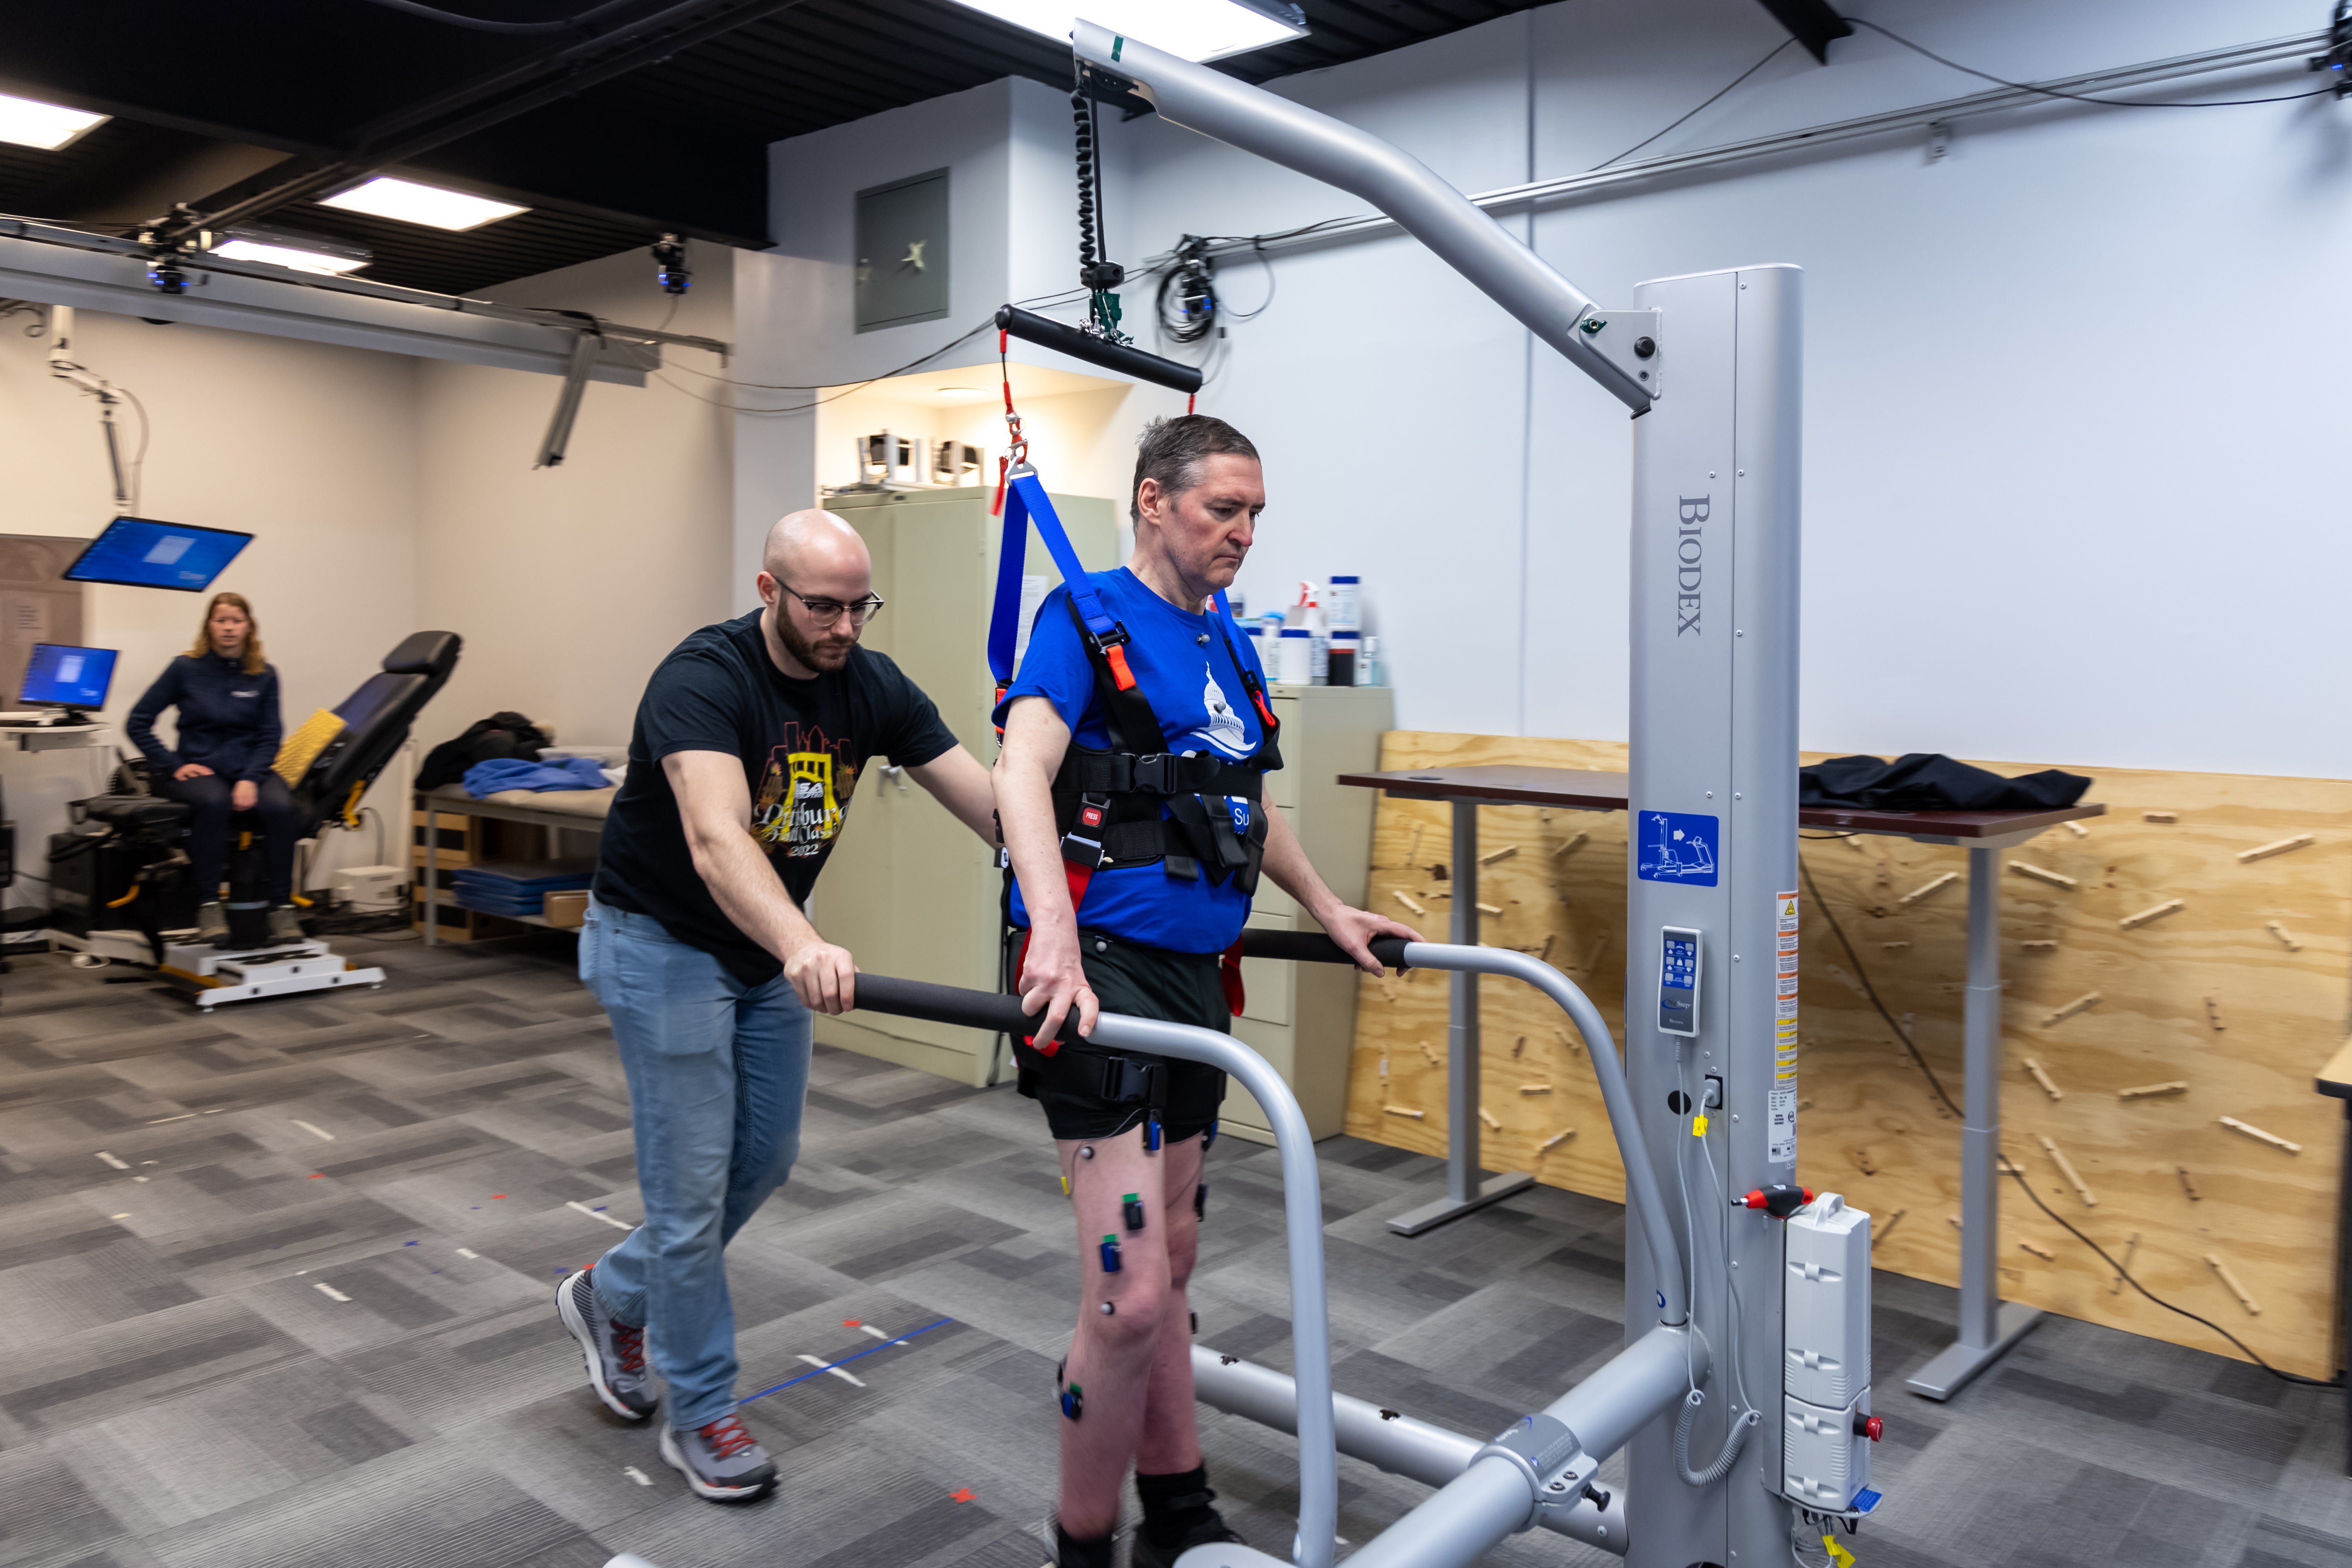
<point x="1369" y="666"/>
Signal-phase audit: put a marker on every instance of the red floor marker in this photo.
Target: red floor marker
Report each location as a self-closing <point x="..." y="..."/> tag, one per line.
<point x="497" y="1194"/>
<point x="961" y="1495"/>
<point x="849" y="1323"/>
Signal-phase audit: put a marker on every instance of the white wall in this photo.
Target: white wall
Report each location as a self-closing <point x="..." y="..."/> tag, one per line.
<point x="570" y="584"/>
<point x="2052" y="379"/>
<point x="308" y="447"/>
<point x="1012" y="197"/>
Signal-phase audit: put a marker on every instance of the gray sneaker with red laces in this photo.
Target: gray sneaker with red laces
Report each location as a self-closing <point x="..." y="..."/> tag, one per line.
<point x="719" y="1459"/>
<point x="614" y="1351"/>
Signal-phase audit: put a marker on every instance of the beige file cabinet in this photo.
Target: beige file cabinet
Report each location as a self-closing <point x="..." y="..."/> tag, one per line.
<point x="910" y="891"/>
<point x="1301" y="1017"/>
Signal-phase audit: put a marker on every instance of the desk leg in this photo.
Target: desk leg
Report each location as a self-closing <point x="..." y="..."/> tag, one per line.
<point x="2344" y="1262"/>
<point x="1464" y="1189"/>
<point x="1988" y="1326"/>
<point x="431" y="875"/>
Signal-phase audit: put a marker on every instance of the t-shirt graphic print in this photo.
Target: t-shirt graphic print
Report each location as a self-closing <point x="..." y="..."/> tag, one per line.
<point x="804" y="793"/>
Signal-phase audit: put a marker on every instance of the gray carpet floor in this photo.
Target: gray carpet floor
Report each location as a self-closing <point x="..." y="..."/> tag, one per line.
<point x="275" y="1290"/>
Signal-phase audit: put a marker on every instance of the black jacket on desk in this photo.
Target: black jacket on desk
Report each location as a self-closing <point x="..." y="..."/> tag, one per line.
<point x="229" y="720"/>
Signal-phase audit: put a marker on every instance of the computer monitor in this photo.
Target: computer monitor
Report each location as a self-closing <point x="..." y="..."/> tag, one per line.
<point x="145" y="554"/>
<point x="60" y="676"/>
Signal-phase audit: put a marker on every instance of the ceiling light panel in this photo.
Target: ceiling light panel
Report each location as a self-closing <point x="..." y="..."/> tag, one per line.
<point x="1195" y="29"/>
<point x="30" y="124"/>
<point x="409" y="202"/>
<point x="281" y="253"/>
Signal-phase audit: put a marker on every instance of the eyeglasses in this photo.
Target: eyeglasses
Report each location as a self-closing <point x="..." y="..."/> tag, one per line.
<point x="825" y="612"/>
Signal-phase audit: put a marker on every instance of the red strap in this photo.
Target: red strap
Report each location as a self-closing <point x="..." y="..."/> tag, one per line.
<point x="1190" y="398"/>
<point x="1264" y="711"/>
<point x="1077" y="876"/>
<point x="1229" y="973"/>
<point x="1120" y="675"/>
<point x="1003" y="467"/>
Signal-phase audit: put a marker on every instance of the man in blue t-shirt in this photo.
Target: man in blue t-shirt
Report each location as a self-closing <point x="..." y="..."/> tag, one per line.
<point x="1144" y="938"/>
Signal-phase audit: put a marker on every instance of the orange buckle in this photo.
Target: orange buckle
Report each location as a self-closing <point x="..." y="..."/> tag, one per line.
<point x="1120" y="675"/>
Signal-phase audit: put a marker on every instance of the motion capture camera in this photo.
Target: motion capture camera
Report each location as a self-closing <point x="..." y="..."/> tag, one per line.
<point x="670" y="270"/>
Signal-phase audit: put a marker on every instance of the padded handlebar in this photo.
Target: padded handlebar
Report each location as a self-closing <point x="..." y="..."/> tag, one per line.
<point x="1313" y="947"/>
<point x="1046" y="332"/>
<point x="951" y="1004"/>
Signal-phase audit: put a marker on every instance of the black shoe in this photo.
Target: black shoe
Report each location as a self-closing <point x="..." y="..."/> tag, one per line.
<point x="1196" y="1524"/>
<point x="616" y="1352"/>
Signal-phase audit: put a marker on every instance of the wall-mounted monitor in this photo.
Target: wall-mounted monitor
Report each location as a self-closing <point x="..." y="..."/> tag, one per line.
<point x="62" y="677"/>
<point x="145" y="554"/>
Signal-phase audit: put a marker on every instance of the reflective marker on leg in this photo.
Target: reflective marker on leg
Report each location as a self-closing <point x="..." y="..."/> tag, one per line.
<point x="1108" y="1310"/>
<point x="1086" y="1150"/>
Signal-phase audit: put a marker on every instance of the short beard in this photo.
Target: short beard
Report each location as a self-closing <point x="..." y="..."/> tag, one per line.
<point x="829" y="654"/>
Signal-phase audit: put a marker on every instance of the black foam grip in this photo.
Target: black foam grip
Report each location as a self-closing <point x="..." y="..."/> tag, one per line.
<point x="951" y="1004"/>
<point x="1045" y="332"/>
<point x="1313" y="947"/>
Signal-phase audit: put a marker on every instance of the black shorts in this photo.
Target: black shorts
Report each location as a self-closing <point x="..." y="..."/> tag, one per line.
<point x="1147" y="982"/>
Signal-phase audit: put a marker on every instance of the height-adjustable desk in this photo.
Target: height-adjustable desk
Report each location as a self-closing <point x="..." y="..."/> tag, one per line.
<point x="1988" y="1325"/>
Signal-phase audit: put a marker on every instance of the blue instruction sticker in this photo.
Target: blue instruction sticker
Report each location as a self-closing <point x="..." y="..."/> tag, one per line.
<point x="1675" y="847"/>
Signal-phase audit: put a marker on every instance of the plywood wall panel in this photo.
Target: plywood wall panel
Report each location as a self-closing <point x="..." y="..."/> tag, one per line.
<point x="2210" y="995"/>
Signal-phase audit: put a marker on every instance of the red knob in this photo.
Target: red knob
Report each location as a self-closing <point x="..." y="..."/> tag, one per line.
<point x="1869" y="1426"/>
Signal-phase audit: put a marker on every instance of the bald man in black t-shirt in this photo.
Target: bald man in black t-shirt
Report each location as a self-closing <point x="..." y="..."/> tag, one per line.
<point x="749" y="743"/>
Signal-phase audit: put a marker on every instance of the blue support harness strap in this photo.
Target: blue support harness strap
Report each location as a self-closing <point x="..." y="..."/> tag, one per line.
<point x="1025" y="500"/>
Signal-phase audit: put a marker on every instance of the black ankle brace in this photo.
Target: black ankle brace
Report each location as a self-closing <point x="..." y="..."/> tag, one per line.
<point x="1070" y="1552"/>
<point x="1174" y="1505"/>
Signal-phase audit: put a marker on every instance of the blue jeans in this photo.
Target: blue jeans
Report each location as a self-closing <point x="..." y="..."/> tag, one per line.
<point x="718" y="1078"/>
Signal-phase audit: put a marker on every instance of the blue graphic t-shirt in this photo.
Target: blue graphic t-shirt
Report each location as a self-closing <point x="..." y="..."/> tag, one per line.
<point x="1184" y="664"/>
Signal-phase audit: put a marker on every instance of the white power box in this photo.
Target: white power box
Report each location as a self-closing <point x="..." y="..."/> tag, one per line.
<point x="369" y="888"/>
<point x="1825" y="1366"/>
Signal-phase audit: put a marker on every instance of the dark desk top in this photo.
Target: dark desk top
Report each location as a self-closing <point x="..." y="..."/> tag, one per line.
<point x="2335" y="1078"/>
<point x="1575" y="789"/>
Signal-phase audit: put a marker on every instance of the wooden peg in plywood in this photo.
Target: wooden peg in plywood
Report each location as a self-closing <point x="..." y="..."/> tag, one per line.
<point x="2187" y="1183"/>
<point x="1505" y="853"/>
<point x="1401" y="1110"/>
<point x="1566" y="1038"/>
<point x="2213" y="1014"/>
<point x="2086" y="1000"/>
<point x="1863" y="1161"/>
<point x="2077" y="829"/>
<point x="1894" y="946"/>
<point x="2041" y="1078"/>
<point x="1880" y="1233"/>
<point x="2281" y="932"/>
<point x="2246" y="1298"/>
<point x="2040" y="944"/>
<point x="2160" y="816"/>
<point x="1854" y="842"/>
<point x="2277" y="846"/>
<point x="2153" y="912"/>
<point x="1490" y="909"/>
<point x="2129" y="1248"/>
<point x="1434" y="1060"/>
<point x="2150" y="1090"/>
<point x="2043" y="1253"/>
<point x="1543" y="953"/>
<point x="1954" y="1221"/>
<point x="1532" y="1089"/>
<point x="2250" y="1131"/>
<point x="1519" y="1046"/>
<point x="2044" y="874"/>
<point x="2066" y="1169"/>
<point x="1408" y="901"/>
<point x="1488" y="1118"/>
<point x="1384" y="1067"/>
<point x="1925" y="888"/>
<point x="1570" y="842"/>
<point x="1563" y="1136"/>
<point x="1413" y="848"/>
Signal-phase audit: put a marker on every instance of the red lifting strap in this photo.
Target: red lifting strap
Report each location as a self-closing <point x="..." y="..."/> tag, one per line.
<point x="1229" y="974"/>
<point x="1122" y="677"/>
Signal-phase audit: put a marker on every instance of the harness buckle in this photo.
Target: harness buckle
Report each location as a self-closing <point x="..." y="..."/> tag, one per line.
<point x="1126" y="1081"/>
<point x="1158" y="774"/>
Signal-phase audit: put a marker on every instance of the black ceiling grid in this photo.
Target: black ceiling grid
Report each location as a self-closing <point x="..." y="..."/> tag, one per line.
<point x="680" y="144"/>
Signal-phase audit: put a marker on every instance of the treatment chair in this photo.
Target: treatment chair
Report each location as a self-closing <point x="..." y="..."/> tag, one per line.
<point x="146" y="834"/>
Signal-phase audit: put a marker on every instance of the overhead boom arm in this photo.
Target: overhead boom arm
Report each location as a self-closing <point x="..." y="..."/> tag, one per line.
<point x="1397" y="184"/>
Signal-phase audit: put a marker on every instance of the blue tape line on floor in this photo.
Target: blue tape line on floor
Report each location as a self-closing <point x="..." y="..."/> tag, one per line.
<point x="844" y="1360"/>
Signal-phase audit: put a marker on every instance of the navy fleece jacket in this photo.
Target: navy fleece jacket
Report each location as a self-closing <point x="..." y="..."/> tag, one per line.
<point x="229" y="720"/>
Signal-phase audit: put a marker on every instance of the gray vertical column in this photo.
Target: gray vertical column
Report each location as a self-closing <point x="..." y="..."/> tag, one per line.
<point x="1988" y="1325"/>
<point x="1980" y="1134"/>
<point x="1461" y="1170"/>
<point x="1466" y="1186"/>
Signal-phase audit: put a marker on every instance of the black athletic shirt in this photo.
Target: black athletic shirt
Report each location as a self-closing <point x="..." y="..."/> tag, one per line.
<point x="803" y="743"/>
